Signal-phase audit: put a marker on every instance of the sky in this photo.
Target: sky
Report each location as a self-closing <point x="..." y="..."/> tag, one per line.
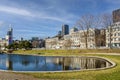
<point x="44" y="18"/>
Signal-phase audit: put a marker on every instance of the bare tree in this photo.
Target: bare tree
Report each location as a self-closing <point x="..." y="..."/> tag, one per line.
<point x="107" y="24"/>
<point x="54" y="43"/>
<point x="97" y="25"/>
<point x="85" y="23"/>
<point x="35" y="43"/>
<point x="67" y="43"/>
<point x="100" y="38"/>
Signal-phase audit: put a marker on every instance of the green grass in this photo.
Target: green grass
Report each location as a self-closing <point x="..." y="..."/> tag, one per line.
<point x="77" y="51"/>
<point x="107" y="74"/>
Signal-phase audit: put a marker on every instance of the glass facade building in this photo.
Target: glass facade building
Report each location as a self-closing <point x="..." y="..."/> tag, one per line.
<point x="65" y="29"/>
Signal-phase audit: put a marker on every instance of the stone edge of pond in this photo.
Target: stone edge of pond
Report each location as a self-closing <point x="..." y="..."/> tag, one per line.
<point x="97" y="69"/>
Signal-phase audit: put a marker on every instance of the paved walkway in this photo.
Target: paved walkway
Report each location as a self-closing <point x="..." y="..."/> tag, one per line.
<point x="14" y="76"/>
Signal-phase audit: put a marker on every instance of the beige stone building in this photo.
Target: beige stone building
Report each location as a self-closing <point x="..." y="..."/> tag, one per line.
<point x="114" y="30"/>
<point x="95" y="38"/>
<point x="51" y="43"/>
<point x="3" y="43"/>
<point x="77" y="40"/>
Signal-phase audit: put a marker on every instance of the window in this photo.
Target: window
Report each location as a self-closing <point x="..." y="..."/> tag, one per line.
<point x="111" y="39"/>
<point x="111" y="34"/>
<point x="115" y="44"/>
<point x="116" y="39"/>
<point x="118" y="45"/>
<point x="115" y="34"/>
<point x="112" y="44"/>
<point x="118" y="34"/>
<point x="118" y="28"/>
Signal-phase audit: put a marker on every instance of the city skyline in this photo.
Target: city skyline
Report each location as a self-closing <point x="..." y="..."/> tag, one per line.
<point x="43" y="18"/>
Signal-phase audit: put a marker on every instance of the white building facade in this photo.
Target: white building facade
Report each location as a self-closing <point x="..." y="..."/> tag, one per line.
<point x="113" y="35"/>
<point x="51" y="43"/>
<point x="76" y="40"/>
<point x="79" y="40"/>
<point x="3" y="43"/>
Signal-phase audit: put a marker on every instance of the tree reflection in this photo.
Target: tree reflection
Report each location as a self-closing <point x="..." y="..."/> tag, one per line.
<point x="25" y="63"/>
<point x="77" y="63"/>
<point x="9" y="63"/>
<point x="40" y="63"/>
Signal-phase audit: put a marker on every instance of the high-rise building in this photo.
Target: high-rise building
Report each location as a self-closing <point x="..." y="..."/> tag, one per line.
<point x="22" y="39"/>
<point x="116" y="15"/>
<point x="65" y="30"/>
<point x="35" y="38"/>
<point x="59" y="33"/>
<point x="9" y="36"/>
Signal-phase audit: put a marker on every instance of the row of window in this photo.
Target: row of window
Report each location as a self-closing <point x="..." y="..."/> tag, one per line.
<point x="114" y="39"/>
<point x="116" y="25"/>
<point x="82" y="39"/>
<point x="114" y="29"/>
<point x="81" y="34"/>
<point x="114" y="45"/>
<point x="115" y="34"/>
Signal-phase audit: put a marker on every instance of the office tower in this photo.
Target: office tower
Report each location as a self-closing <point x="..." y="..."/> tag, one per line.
<point x="9" y="36"/>
<point x="116" y="15"/>
<point x="22" y="39"/>
<point x="35" y="38"/>
<point x="59" y="33"/>
<point x="65" y="30"/>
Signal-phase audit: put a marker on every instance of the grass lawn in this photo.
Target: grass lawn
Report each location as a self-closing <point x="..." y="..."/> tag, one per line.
<point x="107" y="74"/>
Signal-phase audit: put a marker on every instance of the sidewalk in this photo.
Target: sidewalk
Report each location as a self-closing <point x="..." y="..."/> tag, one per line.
<point x="14" y="76"/>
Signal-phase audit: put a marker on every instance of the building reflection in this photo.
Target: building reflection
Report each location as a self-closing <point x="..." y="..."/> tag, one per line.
<point x="9" y="63"/>
<point x="42" y="63"/>
<point x="81" y="63"/>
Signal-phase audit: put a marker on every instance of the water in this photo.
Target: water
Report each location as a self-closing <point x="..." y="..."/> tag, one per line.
<point x="16" y="62"/>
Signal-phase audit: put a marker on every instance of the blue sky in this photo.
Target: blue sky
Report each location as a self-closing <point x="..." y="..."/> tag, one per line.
<point x="43" y="18"/>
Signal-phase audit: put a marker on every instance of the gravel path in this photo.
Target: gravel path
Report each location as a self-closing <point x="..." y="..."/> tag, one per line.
<point x="14" y="76"/>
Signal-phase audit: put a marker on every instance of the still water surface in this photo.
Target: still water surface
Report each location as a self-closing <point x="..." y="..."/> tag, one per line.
<point x="16" y="62"/>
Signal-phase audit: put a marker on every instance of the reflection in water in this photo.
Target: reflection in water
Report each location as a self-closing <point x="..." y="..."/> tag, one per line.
<point x="76" y="63"/>
<point x="42" y="63"/>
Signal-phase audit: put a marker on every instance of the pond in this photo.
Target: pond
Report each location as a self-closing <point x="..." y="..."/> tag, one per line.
<point x="15" y="62"/>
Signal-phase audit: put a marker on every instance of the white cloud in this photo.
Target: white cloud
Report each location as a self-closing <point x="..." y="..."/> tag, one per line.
<point x="55" y="18"/>
<point x="42" y="14"/>
<point x="113" y="1"/>
<point x="14" y="10"/>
